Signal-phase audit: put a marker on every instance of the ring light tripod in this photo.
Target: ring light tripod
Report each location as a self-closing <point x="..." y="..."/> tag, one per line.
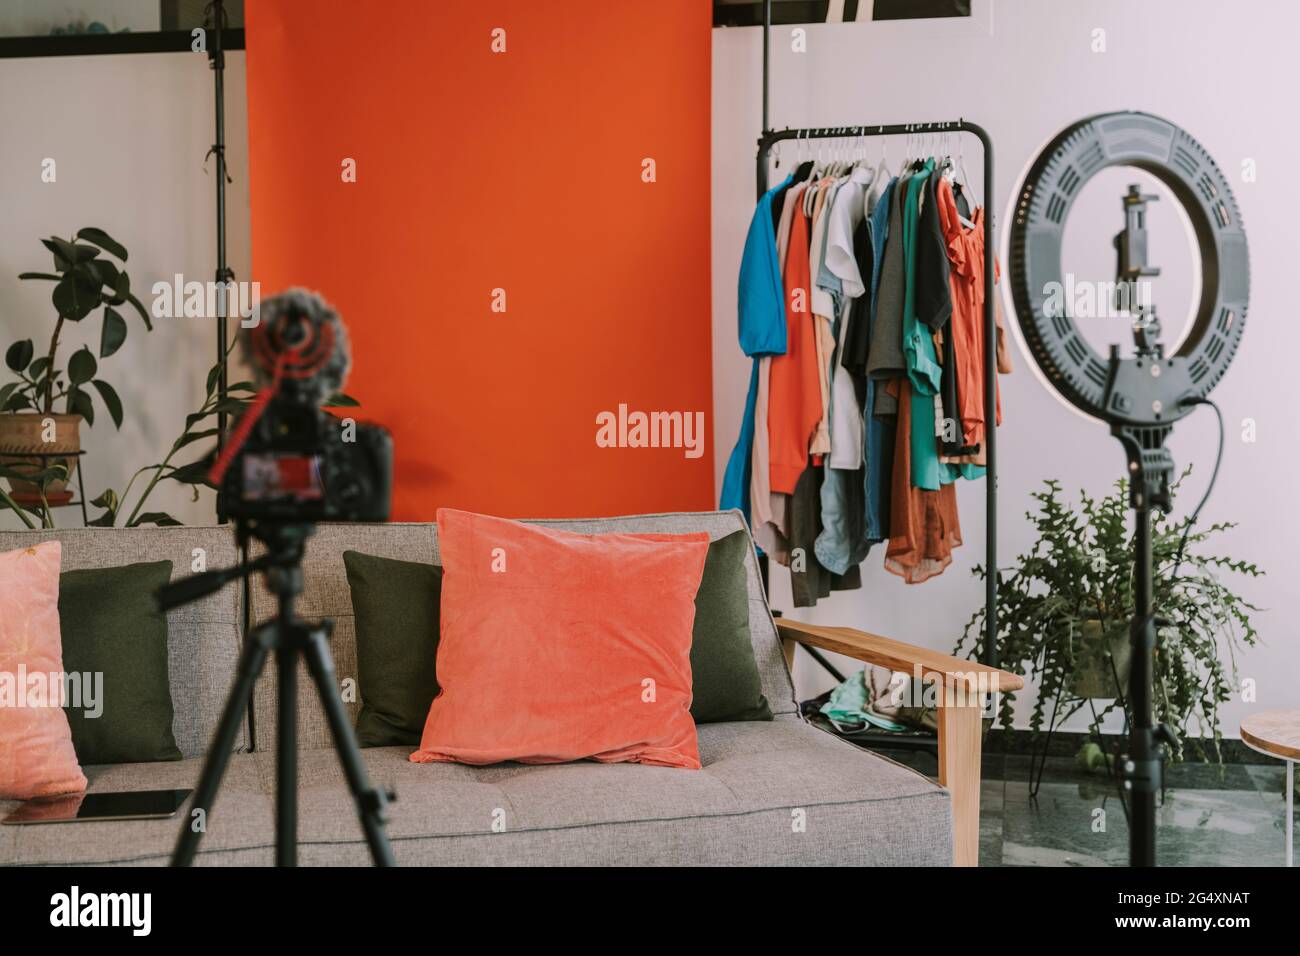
<point x="1142" y="396"/>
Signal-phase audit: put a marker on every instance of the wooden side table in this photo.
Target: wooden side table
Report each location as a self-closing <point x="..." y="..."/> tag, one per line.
<point x="1277" y="733"/>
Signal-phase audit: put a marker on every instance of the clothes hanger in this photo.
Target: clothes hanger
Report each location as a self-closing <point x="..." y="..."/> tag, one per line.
<point x="907" y="151"/>
<point x="961" y="159"/>
<point x="882" y="169"/>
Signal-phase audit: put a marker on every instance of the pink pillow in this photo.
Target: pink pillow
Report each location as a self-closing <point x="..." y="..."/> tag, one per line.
<point x="558" y="646"/>
<point x="36" y="754"/>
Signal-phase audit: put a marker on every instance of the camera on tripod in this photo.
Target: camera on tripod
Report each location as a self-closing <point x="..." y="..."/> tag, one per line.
<point x="287" y="460"/>
<point x="284" y="466"/>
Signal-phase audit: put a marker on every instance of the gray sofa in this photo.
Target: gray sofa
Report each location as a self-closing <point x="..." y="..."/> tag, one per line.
<point x="779" y="792"/>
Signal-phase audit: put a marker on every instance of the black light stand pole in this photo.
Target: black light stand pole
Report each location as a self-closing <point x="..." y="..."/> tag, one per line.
<point x="1142" y="767"/>
<point x="217" y="60"/>
<point x="767" y="29"/>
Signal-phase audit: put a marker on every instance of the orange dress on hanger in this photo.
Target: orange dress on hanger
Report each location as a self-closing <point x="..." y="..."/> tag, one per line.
<point x="923" y="525"/>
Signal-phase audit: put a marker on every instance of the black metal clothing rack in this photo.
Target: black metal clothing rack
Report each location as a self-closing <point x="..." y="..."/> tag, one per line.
<point x="770" y="138"/>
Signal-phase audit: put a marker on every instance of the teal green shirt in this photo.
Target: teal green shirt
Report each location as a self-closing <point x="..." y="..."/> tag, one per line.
<point x="923" y="368"/>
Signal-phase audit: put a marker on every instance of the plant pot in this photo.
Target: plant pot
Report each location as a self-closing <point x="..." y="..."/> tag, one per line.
<point x="24" y="434"/>
<point x="1095" y="654"/>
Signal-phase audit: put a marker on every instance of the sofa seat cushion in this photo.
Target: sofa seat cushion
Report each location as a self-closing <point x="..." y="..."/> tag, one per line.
<point x="769" y="793"/>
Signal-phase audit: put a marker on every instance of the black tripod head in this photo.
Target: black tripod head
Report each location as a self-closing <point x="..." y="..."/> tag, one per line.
<point x="285" y="543"/>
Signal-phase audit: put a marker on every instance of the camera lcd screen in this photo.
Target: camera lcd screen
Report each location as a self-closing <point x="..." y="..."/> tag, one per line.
<point x="281" y="476"/>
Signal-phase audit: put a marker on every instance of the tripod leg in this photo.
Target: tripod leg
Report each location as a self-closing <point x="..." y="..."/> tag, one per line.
<point x="286" y="758"/>
<point x="370" y="801"/>
<point x="251" y="660"/>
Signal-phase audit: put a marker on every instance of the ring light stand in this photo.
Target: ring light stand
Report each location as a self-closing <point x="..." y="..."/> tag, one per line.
<point x="1142" y="396"/>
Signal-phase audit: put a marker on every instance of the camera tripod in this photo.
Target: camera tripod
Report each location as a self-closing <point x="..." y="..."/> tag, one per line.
<point x="290" y="638"/>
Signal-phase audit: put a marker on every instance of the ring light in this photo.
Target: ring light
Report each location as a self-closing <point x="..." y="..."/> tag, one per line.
<point x="1141" y="396"/>
<point x="1067" y="360"/>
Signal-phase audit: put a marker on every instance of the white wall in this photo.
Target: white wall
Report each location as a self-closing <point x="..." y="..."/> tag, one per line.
<point x="128" y="134"/>
<point x="1024" y="69"/>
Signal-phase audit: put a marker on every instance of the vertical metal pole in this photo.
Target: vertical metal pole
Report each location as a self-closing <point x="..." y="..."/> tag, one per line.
<point x="1142" y="768"/>
<point x="767" y="30"/>
<point x="218" y="61"/>
<point x="990" y="418"/>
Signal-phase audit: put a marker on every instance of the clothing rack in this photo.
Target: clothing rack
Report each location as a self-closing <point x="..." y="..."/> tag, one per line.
<point x="770" y="138"/>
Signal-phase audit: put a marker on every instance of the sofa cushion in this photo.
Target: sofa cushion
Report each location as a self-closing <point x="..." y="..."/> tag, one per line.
<point x="203" y="638"/>
<point x="780" y="792"/>
<point x="112" y="626"/>
<point x="37" y="757"/>
<point x="326" y="595"/>
<point x="724" y="675"/>
<point x="559" y="646"/>
<point x="396" y="606"/>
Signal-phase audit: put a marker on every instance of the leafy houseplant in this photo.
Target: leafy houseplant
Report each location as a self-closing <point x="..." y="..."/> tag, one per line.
<point x="85" y="279"/>
<point x="1066" y="604"/>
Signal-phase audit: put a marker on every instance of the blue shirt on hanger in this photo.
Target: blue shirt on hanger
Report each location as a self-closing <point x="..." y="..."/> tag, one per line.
<point x="761" y="327"/>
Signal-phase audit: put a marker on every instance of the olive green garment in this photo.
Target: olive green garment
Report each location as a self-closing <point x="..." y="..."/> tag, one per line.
<point x="113" y="631"/>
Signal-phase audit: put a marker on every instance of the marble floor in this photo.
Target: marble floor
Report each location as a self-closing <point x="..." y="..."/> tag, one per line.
<point x="1229" y="815"/>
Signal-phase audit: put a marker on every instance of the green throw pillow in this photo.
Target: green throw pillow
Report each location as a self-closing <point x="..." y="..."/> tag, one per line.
<point x="396" y="606"/>
<point x="111" y="626"/>
<point x="723" y="670"/>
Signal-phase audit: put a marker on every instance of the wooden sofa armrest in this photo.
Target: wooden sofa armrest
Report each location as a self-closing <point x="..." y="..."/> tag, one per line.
<point x="898" y="656"/>
<point x="965" y="685"/>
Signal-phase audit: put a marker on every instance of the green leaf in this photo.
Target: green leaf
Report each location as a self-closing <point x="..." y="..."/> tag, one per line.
<point x="102" y="239"/>
<point x="341" y="400"/>
<point x="64" y="253"/>
<point x="195" y="473"/>
<point x="19" y="355"/>
<point x="190" y="437"/>
<point x="160" y="518"/>
<point x="108" y="501"/>
<point x="17" y="402"/>
<point x="107" y="273"/>
<point x="214" y="374"/>
<point x="82" y="366"/>
<point x="120" y="288"/>
<point x="6" y="391"/>
<point x="79" y="403"/>
<point x="39" y="368"/>
<point x="75" y="296"/>
<point x="39" y="275"/>
<point x="111" y="401"/>
<point x="232" y="405"/>
<point x="113" y="333"/>
<point x="139" y="307"/>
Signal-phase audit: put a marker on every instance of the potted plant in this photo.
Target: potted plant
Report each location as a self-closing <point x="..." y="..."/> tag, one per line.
<point x="32" y="433"/>
<point x="1064" y="610"/>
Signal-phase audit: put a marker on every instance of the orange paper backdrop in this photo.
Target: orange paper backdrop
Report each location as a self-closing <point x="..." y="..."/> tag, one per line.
<point x="478" y="171"/>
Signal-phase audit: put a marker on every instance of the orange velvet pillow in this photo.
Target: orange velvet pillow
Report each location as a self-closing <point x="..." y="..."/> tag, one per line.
<point x="558" y="646"/>
<point x="36" y="754"/>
